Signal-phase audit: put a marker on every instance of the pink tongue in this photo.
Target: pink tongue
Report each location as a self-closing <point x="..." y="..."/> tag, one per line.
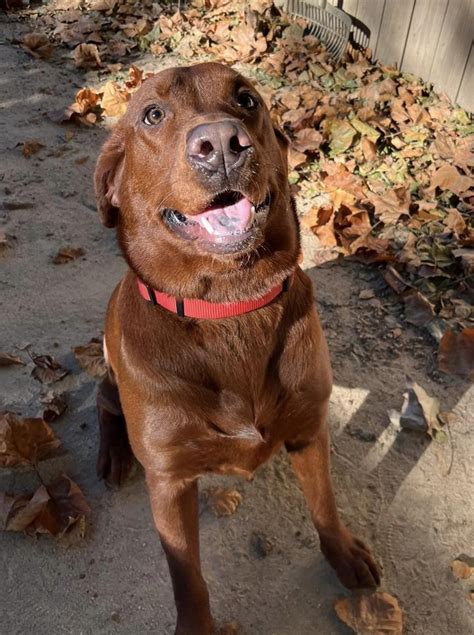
<point x="222" y="221"/>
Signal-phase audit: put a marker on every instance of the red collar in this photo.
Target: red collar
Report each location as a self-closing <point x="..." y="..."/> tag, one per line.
<point x="195" y="308"/>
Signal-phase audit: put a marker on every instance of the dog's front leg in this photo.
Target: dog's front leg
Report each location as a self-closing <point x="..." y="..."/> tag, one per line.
<point x="175" y="511"/>
<point x="348" y="555"/>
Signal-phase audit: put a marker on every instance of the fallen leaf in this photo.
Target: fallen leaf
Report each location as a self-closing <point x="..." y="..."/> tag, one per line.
<point x="420" y="412"/>
<point x="222" y="502"/>
<point x="295" y="158"/>
<point x="6" y="359"/>
<point x="372" y="614"/>
<point x="53" y="509"/>
<point x="47" y="369"/>
<point x="91" y="357"/>
<point x="37" y="44"/>
<point x="67" y="254"/>
<point x="418" y="309"/>
<point x="393" y="204"/>
<point x="114" y="100"/>
<point x="55" y="406"/>
<point x="87" y="56"/>
<point x="456" y="352"/>
<point x="31" y="147"/>
<point x="24" y="441"/>
<point x="456" y="222"/>
<point x="341" y="136"/>
<point x="395" y="280"/>
<point x="463" y="567"/>
<point x="447" y="177"/>
<point x="307" y="140"/>
<point x="366" y="294"/>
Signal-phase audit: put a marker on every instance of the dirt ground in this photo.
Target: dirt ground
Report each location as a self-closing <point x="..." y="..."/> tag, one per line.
<point x="410" y="499"/>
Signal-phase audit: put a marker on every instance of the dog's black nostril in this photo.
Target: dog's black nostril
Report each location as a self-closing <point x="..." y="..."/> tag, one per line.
<point x="234" y="145"/>
<point x="205" y="149"/>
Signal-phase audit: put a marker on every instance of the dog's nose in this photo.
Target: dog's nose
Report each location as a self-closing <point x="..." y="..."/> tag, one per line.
<point x="218" y="147"/>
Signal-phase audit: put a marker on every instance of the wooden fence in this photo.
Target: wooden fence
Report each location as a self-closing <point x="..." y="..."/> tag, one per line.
<point x="432" y="39"/>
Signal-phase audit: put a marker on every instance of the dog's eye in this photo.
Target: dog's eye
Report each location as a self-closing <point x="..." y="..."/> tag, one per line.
<point x="247" y="101"/>
<point x="153" y="115"/>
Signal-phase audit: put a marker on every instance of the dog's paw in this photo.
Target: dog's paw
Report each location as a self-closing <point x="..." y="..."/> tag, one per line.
<point x="351" y="559"/>
<point x="222" y="502"/>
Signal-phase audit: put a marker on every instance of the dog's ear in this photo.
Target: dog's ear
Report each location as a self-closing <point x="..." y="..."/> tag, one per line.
<point x="107" y="177"/>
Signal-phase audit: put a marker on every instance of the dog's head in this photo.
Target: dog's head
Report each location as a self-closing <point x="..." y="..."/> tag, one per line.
<point x="195" y="165"/>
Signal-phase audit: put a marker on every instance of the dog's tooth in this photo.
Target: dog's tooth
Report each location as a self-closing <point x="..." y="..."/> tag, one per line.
<point x="252" y="209"/>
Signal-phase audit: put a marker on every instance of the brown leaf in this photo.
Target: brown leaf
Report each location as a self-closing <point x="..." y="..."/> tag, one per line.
<point x="37" y="44"/>
<point x="114" y="100"/>
<point x="31" y="147"/>
<point x="391" y="205"/>
<point x="456" y="222"/>
<point x="55" y="406"/>
<point x="369" y="149"/>
<point x="419" y="411"/>
<point x="395" y="280"/>
<point x="295" y="158"/>
<point x="447" y="177"/>
<point x="341" y="135"/>
<point x="67" y="254"/>
<point x="91" y="358"/>
<point x="463" y="567"/>
<point x="418" y="310"/>
<point x="223" y="502"/>
<point x="47" y="369"/>
<point x="52" y="509"/>
<point x="24" y="441"/>
<point x="456" y="352"/>
<point x="307" y="140"/>
<point x="371" y="614"/>
<point x="87" y="56"/>
<point x="6" y="359"/>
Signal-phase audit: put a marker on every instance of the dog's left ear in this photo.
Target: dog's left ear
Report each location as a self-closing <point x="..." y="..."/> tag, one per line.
<point x="107" y="177"/>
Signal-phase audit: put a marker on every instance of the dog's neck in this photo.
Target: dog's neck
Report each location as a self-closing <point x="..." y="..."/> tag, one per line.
<point x="177" y="273"/>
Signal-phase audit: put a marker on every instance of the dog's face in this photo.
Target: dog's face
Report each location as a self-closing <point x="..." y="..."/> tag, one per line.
<point x="195" y="164"/>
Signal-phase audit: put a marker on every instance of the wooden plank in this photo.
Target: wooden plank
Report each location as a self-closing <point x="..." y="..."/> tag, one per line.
<point x="394" y="30"/>
<point x="465" y="96"/>
<point x="370" y="13"/>
<point x="350" y="7"/>
<point x="453" y="47"/>
<point x="423" y="36"/>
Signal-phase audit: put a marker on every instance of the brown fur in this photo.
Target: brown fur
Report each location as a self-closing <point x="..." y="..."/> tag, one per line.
<point x="202" y="396"/>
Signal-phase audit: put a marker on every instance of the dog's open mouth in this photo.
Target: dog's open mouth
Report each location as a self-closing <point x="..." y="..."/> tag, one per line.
<point x="225" y="225"/>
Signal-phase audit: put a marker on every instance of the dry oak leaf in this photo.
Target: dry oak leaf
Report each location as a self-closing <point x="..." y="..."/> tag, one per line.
<point x="37" y="44"/>
<point x="295" y="158"/>
<point x="223" y="502"/>
<point x="54" y="406"/>
<point x="6" y="359"/>
<point x="391" y="205"/>
<point x="371" y="614"/>
<point x="463" y="567"/>
<point x="114" y="100"/>
<point x="420" y="411"/>
<point x="447" y="177"/>
<point x="307" y="140"/>
<point x="91" y="357"/>
<point x="31" y="147"/>
<point x="456" y="352"/>
<point x="87" y="56"/>
<point x="52" y="509"/>
<point x="24" y="441"/>
<point x="47" y="369"/>
<point x="67" y="254"/>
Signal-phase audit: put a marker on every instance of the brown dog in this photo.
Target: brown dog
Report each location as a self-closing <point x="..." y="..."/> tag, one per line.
<point x="212" y="336"/>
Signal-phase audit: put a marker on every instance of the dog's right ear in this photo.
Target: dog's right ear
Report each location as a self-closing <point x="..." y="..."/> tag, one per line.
<point x="107" y="177"/>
